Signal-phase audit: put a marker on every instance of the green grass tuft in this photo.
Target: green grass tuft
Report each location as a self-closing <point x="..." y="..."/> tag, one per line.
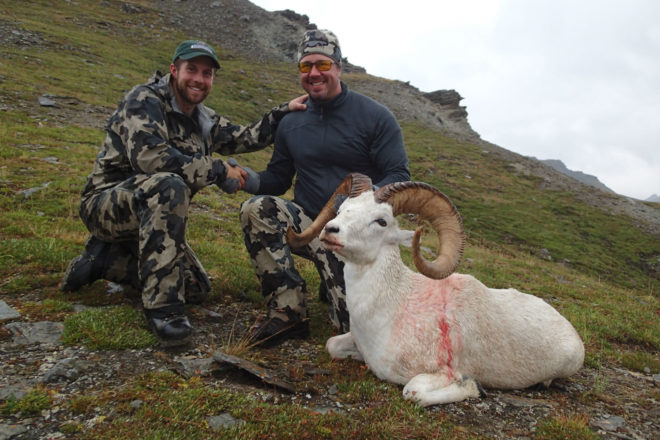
<point x="565" y="428"/>
<point x="35" y="401"/>
<point x="110" y="328"/>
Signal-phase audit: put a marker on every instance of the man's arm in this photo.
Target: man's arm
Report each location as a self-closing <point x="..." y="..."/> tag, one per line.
<point x="277" y="178"/>
<point x="388" y="152"/>
<point x="144" y="131"/>
<point x="230" y="138"/>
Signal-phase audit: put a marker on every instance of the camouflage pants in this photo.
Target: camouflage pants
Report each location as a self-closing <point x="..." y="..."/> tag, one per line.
<point x="265" y="220"/>
<point x="144" y="218"/>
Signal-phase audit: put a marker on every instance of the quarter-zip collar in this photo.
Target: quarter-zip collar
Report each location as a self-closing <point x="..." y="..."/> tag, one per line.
<point x="321" y="106"/>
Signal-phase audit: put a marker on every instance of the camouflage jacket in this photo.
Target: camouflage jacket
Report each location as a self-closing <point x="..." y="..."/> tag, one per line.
<point x="148" y="134"/>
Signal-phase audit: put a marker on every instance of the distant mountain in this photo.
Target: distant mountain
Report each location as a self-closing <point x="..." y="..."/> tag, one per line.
<point x="653" y="198"/>
<point x="587" y="179"/>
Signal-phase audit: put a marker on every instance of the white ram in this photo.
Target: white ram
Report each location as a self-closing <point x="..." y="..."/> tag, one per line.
<point x="443" y="335"/>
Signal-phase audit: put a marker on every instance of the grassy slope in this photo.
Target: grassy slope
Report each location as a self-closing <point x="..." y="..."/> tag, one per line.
<point x="94" y="52"/>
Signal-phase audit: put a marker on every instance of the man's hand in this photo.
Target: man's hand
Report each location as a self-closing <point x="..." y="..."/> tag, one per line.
<point x="236" y="172"/>
<point x="298" y="103"/>
<point x="235" y="178"/>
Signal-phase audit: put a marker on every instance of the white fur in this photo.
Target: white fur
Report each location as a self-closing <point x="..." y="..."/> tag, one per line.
<point x="437" y="337"/>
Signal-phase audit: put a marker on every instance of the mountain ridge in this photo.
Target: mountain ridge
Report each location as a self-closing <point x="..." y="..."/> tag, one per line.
<point x="587" y="179"/>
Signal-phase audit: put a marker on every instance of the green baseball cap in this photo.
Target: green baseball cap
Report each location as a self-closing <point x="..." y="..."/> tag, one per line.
<point x="194" y="48"/>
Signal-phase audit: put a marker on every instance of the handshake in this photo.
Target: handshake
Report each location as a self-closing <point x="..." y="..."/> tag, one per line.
<point x="231" y="184"/>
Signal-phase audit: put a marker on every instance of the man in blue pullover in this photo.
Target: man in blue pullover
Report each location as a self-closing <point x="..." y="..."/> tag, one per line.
<point x="341" y="132"/>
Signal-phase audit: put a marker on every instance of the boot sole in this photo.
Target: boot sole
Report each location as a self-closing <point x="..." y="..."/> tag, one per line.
<point x="300" y="331"/>
<point x="173" y="343"/>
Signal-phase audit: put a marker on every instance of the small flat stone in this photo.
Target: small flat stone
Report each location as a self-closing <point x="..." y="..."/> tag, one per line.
<point x="610" y="424"/>
<point x="44" y="101"/>
<point x="27" y="333"/>
<point x="224" y="420"/>
<point x="266" y="375"/>
<point x="16" y="390"/>
<point x="197" y="367"/>
<point x="7" y="312"/>
<point x="11" y="431"/>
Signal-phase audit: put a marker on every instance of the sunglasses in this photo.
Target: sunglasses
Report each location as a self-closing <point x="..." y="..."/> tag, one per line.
<point x="321" y="65"/>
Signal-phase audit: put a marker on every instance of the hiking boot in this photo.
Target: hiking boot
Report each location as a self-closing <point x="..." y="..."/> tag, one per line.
<point x="172" y="329"/>
<point x="86" y="267"/>
<point x="274" y="331"/>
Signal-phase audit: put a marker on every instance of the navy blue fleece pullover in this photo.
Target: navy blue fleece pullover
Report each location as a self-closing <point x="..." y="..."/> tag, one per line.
<point x="322" y="145"/>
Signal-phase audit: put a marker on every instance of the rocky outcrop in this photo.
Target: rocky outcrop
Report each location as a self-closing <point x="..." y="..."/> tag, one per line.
<point x="449" y="100"/>
<point x="294" y="17"/>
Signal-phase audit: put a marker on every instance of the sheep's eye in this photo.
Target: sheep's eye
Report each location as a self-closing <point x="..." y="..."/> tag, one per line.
<point x="381" y="222"/>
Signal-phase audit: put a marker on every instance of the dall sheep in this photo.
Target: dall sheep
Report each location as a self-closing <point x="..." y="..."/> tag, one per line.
<point x="441" y="334"/>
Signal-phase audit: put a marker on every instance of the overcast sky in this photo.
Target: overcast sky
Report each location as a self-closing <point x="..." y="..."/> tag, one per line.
<point x="575" y="80"/>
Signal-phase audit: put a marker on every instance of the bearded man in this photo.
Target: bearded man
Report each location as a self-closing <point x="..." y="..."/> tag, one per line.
<point x="158" y="152"/>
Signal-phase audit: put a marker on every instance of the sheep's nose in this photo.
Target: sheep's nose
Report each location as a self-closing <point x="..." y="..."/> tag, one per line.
<point x="331" y="229"/>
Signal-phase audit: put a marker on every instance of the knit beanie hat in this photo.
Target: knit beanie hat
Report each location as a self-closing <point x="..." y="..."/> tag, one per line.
<point x="320" y="41"/>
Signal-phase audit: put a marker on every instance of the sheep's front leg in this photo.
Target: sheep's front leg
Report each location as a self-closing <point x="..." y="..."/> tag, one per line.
<point x="434" y="389"/>
<point x="343" y="346"/>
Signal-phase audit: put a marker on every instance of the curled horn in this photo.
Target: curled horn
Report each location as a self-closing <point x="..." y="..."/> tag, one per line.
<point x="436" y="208"/>
<point x="353" y="185"/>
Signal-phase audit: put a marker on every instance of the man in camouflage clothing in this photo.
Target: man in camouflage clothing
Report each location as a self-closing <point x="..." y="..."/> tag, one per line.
<point x="340" y="132"/>
<point x="157" y="154"/>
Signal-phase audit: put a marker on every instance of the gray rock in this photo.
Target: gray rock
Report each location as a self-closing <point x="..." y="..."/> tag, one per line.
<point x="27" y="193"/>
<point x="27" y="333"/>
<point x="45" y="101"/>
<point x="327" y="410"/>
<point x="197" y="367"/>
<point x="16" y="390"/>
<point x="224" y="420"/>
<point x="11" y="431"/>
<point x="610" y="424"/>
<point x="68" y="369"/>
<point x="7" y="312"/>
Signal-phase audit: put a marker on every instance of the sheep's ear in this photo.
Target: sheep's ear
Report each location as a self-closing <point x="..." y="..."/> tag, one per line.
<point x="405" y="238"/>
